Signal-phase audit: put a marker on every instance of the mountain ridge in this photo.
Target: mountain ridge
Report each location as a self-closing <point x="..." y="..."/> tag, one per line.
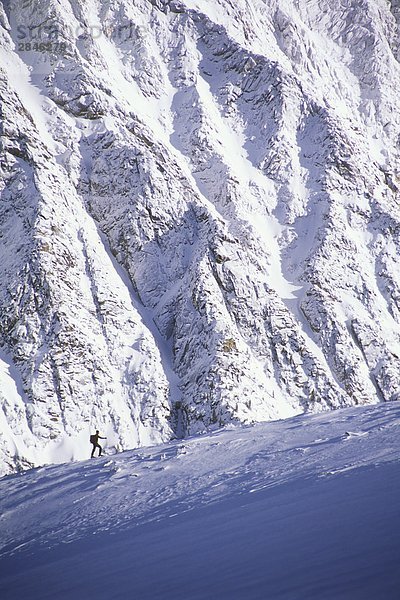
<point x="199" y="219"/>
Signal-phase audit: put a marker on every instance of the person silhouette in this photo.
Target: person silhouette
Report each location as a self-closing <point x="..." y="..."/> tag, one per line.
<point x="94" y="440"/>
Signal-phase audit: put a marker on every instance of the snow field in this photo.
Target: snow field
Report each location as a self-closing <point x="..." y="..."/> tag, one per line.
<point x="294" y="509"/>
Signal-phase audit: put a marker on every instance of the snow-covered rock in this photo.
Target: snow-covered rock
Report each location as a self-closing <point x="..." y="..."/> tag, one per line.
<point x="199" y="219"/>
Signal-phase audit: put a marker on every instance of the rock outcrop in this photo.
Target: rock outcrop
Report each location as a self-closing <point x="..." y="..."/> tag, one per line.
<point x="199" y="217"/>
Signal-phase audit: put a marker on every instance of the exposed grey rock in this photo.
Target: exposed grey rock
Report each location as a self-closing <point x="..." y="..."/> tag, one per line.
<point x="200" y="217"/>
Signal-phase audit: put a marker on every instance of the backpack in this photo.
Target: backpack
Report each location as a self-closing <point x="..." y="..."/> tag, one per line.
<point x="93" y="439"/>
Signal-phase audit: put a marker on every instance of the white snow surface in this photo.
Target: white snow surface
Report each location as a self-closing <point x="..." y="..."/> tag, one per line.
<point x="199" y="217"/>
<point x="305" y="508"/>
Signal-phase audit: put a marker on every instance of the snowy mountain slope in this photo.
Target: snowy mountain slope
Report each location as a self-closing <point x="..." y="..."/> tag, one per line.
<point x="302" y="508"/>
<point x="199" y="216"/>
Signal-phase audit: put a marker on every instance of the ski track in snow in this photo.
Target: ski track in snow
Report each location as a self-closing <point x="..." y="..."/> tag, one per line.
<point x="315" y="495"/>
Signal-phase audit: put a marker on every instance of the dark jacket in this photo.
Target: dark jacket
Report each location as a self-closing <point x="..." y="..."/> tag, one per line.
<point x="95" y="438"/>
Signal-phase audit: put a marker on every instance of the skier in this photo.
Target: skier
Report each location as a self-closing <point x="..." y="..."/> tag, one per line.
<point x="94" y="439"/>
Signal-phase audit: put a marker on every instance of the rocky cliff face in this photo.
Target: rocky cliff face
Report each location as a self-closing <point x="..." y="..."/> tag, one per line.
<point x="199" y="217"/>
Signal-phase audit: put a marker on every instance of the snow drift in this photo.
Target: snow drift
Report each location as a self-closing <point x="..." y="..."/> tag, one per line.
<point x="302" y="508"/>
